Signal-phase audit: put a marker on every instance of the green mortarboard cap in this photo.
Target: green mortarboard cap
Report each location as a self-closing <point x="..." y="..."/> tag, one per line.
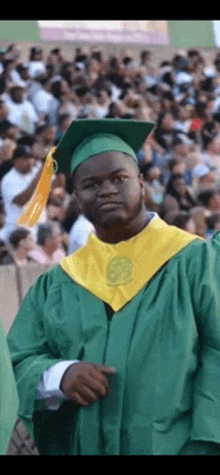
<point x="86" y="138"/>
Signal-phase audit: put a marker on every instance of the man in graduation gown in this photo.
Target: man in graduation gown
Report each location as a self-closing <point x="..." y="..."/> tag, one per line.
<point x="116" y="350"/>
<point x="8" y="394"/>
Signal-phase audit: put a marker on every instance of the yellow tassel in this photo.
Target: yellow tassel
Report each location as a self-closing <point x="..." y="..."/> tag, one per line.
<point x="39" y="199"/>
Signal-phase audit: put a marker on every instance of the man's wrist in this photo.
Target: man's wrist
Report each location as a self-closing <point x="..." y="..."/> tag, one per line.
<point x="64" y="374"/>
<point x="51" y="380"/>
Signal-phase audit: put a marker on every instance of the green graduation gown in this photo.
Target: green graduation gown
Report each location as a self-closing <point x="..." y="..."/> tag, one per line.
<point x="164" y="344"/>
<point x="8" y="394"/>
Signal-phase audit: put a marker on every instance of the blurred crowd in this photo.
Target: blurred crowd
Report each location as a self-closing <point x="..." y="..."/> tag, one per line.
<point x="180" y="161"/>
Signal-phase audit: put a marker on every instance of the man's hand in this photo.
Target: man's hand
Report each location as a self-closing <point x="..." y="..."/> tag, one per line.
<point x="85" y="383"/>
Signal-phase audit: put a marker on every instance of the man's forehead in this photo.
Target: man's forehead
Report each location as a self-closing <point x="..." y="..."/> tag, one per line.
<point x="105" y="163"/>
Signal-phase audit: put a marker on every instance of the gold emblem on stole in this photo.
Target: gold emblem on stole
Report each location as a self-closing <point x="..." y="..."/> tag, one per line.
<point x="119" y="271"/>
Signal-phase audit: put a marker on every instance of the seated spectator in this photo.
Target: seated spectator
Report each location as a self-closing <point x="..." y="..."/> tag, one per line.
<point x="48" y="249"/>
<point x="37" y="148"/>
<point x="10" y="73"/>
<point x="147" y="68"/>
<point x="96" y="67"/>
<point x="86" y="102"/>
<point x="176" y="166"/>
<point x="17" y="187"/>
<point x="41" y="96"/>
<point x="203" y="178"/>
<point x="55" y="211"/>
<point x="21" y="242"/>
<point x="212" y="154"/>
<point x="55" y="60"/>
<point x="8" y="130"/>
<point x="21" y="111"/>
<point x="64" y="121"/>
<point x="82" y="58"/>
<point x="69" y="106"/>
<point x="177" y="196"/>
<point x="183" y="77"/>
<point x="209" y="199"/>
<point x="183" y="118"/>
<point x="101" y="107"/>
<point x="182" y="145"/>
<point x="113" y="74"/>
<point x="36" y="62"/>
<point x="213" y="225"/>
<point x="78" y="77"/>
<point x="199" y="214"/>
<point x="194" y="57"/>
<point x="12" y="52"/>
<point x="59" y="190"/>
<point x="136" y="107"/>
<point x="24" y="76"/>
<point x="45" y="136"/>
<point x="128" y="67"/>
<point x="167" y="101"/>
<point x="164" y="130"/>
<point x="153" y="189"/>
<point x="60" y="91"/>
<point x="166" y="81"/>
<point x="9" y="135"/>
<point x="182" y="151"/>
<point x="183" y="220"/>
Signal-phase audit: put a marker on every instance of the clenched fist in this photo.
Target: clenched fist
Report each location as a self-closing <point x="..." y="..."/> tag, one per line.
<point x="85" y="383"/>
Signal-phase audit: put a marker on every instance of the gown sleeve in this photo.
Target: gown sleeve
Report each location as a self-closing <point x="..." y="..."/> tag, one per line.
<point x="30" y="354"/>
<point x="204" y="272"/>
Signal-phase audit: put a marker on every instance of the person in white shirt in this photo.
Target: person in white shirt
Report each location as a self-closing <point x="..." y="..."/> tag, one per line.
<point x="79" y="233"/>
<point x="17" y="187"/>
<point x="36" y="62"/>
<point x="41" y="97"/>
<point x="21" y="111"/>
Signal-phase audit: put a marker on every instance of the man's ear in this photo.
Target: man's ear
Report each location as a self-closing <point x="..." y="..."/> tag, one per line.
<point x="142" y="181"/>
<point x="141" y="178"/>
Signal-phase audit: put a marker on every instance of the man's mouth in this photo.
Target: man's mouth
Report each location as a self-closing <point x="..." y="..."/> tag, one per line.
<point x="110" y="205"/>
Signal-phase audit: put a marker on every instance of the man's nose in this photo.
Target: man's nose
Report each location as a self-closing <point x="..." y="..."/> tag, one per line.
<point x="107" y="188"/>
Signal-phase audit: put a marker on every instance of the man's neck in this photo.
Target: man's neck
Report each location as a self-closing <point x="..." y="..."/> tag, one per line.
<point x="116" y="234"/>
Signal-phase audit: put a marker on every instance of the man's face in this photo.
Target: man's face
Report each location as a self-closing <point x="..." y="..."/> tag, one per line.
<point x="24" y="165"/>
<point x="27" y="243"/>
<point x="54" y="212"/>
<point x="109" y="189"/>
<point x="55" y="241"/>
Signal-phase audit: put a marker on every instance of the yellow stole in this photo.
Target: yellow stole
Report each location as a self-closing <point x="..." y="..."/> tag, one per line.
<point x="115" y="273"/>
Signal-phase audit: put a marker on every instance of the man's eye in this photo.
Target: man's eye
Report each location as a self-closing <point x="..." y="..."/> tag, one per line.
<point x="90" y="185"/>
<point x="119" y="178"/>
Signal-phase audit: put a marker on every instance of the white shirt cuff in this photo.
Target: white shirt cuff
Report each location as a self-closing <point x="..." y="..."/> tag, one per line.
<point x="49" y="385"/>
